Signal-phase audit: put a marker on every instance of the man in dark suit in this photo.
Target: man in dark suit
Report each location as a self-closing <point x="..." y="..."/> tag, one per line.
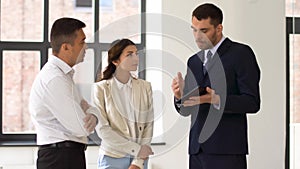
<point x="228" y="73"/>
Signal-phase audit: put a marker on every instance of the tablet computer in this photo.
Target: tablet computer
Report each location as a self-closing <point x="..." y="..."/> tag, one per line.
<point x="198" y="91"/>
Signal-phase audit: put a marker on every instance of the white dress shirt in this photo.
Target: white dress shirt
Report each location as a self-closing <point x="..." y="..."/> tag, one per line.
<point x="55" y="105"/>
<point x="125" y="93"/>
<point x="213" y="50"/>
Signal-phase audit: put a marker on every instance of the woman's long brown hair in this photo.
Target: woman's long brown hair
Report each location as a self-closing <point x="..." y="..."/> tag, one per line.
<point x="114" y="54"/>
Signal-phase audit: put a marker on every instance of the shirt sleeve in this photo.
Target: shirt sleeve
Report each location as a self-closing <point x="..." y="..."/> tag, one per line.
<point x="60" y="96"/>
<point x="217" y="106"/>
<point x="94" y="111"/>
<point x="138" y="162"/>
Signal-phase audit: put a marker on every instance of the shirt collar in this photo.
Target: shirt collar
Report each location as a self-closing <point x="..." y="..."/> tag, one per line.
<point x="215" y="48"/>
<point x="121" y="85"/>
<point x="61" y="64"/>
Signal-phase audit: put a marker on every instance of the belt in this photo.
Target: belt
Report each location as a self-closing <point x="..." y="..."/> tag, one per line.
<point x="64" y="144"/>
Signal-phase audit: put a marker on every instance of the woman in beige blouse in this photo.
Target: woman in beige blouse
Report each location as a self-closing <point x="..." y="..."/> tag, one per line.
<point x="126" y="111"/>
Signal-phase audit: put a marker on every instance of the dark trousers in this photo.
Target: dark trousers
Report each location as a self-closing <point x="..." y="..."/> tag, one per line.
<point x="216" y="161"/>
<point x="61" y="158"/>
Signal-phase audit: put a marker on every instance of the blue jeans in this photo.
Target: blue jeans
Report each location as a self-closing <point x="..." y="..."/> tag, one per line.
<point x="106" y="162"/>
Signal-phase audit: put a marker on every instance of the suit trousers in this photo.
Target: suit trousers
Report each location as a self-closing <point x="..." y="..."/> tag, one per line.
<point x="61" y="158"/>
<point x="217" y="161"/>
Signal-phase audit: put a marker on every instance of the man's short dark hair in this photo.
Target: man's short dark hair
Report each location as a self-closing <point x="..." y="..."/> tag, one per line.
<point x="211" y="11"/>
<point x="64" y="31"/>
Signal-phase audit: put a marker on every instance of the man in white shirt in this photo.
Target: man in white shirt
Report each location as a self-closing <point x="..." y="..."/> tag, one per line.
<point x="62" y="118"/>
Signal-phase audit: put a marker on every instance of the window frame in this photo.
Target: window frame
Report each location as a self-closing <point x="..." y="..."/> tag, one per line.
<point x="292" y="27"/>
<point x="43" y="47"/>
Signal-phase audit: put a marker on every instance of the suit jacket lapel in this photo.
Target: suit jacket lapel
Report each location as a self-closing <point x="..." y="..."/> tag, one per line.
<point x="136" y="94"/>
<point x="221" y="50"/>
<point x="224" y="47"/>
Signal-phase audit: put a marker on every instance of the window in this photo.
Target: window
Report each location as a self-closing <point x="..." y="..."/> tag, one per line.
<point x="25" y="47"/>
<point x="84" y="3"/>
<point x="18" y="72"/>
<point x="293" y="84"/>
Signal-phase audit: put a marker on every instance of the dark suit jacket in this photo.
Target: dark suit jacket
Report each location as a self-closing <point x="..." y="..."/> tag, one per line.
<point x="234" y="75"/>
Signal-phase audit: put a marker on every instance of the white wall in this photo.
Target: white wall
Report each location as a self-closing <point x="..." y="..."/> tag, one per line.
<point x="259" y="23"/>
